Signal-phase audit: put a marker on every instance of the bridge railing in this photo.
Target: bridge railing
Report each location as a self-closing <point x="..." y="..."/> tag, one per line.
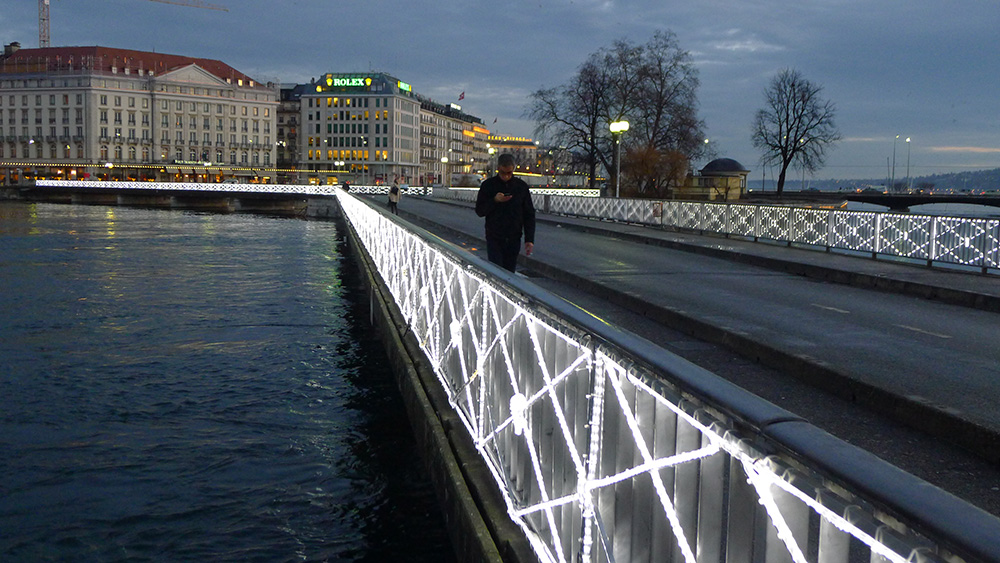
<point x="607" y="448"/>
<point x="293" y="189"/>
<point x="933" y="239"/>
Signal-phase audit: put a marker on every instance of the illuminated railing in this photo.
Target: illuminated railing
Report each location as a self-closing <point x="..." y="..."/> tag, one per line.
<point x="606" y="448"/>
<point x="297" y="189"/>
<point x="193" y="187"/>
<point x="469" y="194"/>
<point x="946" y="240"/>
<point x="383" y="190"/>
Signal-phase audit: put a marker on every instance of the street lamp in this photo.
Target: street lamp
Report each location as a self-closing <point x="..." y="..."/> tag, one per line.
<point x="892" y="175"/>
<point x="444" y="168"/>
<point x="908" y="186"/>
<point x="617" y="128"/>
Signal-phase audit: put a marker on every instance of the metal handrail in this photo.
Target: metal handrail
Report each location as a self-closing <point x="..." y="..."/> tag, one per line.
<point x="608" y="448"/>
<point x="933" y="239"/>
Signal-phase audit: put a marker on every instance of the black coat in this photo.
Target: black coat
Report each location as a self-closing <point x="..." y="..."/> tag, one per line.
<point x="508" y="219"/>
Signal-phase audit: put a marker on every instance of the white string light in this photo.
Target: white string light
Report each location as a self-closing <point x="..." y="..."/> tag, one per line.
<point x="441" y="300"/>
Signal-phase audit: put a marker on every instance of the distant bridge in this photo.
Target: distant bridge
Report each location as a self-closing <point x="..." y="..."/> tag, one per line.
<point x="902" y="202"/>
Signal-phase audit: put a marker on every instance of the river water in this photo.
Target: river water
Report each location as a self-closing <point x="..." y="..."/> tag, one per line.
<point x="179" y="386"/>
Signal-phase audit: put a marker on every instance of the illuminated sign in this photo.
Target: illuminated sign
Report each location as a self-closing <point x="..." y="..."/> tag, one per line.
<point x="404" y="86"/>
<point x="351" y="82"/>
<point x="344" y="82"/>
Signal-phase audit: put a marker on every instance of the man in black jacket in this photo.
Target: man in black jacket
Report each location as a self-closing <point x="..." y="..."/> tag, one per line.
<point x="505" y="201"/>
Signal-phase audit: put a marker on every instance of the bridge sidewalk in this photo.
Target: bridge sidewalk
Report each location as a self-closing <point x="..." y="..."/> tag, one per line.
<point x="849" y="405"/>
<point x="963" y="287"/>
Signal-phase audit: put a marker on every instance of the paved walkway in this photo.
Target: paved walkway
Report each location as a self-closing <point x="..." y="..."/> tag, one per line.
<point x="965" y="287"/>
<point x="921" y="410"/>
<point x="957" y="286"/>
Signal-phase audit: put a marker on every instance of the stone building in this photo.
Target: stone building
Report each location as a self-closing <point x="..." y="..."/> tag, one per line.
<point x="723" y="179"/>
<point x="84" y="112"/>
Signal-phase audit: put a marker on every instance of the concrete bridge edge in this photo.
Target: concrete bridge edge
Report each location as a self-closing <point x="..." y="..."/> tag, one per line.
<point x="475" y="512"/>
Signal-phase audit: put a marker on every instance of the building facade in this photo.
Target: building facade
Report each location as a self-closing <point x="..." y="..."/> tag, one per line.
<point x="371" y="128"/>
<point x="722" y="179"/>
<point x="77" y="112"/>
<point x="105" y="113"/>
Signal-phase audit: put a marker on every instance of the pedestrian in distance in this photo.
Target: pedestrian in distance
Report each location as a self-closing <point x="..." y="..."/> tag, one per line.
<point x="505" y="201"/>
<point x="394" y="196"/>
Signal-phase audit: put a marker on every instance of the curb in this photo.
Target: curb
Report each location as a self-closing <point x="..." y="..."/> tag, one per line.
<point x="970" y="299"/>
<point x="962" y="298"/>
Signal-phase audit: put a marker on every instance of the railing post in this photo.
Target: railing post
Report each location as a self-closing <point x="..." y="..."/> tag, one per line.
<point x="877" y="236"/>
<point x="984" y="251"/>
<point x="932" y="250"/>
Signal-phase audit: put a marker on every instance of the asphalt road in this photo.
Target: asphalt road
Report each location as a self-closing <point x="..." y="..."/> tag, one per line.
<point x="942" y="354"/>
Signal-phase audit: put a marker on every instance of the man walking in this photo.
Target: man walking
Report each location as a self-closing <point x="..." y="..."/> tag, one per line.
<point x="505" y="201"/>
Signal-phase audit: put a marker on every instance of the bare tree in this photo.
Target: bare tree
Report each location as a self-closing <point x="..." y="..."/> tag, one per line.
<point x="796" y="126"/>
<point x="667" y="128"/>
<point x="572" y="115"/>
<point x="652" y="86"/>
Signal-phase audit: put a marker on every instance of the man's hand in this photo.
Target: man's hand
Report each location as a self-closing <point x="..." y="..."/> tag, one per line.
<point x="528" y="247"/>
<point x="502" y="197"/>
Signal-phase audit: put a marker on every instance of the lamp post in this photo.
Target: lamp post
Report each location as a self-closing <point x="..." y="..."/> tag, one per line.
<point x="444" y="172"/>
<point x="909" y="188"/>
<point x="892" y="175"/>
<point x="617" y="128"/>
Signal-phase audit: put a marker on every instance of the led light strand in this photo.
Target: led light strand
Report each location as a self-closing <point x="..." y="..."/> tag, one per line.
<point x="384" y="251"/>
<point x="661" y="491"/>
<point x="761" y="484"/>
<point x="769" y="477"/>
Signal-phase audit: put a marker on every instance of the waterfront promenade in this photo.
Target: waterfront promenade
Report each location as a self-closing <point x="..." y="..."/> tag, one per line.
<point x="629" y="276"/>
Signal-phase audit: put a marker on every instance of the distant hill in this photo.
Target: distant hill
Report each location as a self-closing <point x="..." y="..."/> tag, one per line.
<point x="962" y="182"/>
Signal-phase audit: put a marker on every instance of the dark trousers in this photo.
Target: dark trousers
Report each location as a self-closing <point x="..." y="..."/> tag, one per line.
<point x="503" y="251"/>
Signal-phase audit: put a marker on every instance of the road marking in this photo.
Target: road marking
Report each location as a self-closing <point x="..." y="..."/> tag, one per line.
<point x="834" y="309"/>
<point x="915" y="329"/>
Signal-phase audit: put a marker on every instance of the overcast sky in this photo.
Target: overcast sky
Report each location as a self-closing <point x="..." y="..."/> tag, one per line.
<point x="924" y="69"/>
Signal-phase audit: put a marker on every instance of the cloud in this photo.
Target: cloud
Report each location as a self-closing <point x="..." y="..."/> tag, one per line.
<point x="975" y="150"/>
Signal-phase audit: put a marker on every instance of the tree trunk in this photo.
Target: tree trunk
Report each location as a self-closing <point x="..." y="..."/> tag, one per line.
<point x="781" y="178"/>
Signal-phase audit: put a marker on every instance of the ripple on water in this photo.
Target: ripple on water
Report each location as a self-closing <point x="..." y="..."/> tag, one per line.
<point x="181" y="386"/>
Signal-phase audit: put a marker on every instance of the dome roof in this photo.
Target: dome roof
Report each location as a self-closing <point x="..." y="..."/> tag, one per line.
<point x="723" y="166"/>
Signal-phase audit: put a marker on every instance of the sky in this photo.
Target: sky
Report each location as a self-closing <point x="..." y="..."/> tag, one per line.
<point x="924" y="69"/>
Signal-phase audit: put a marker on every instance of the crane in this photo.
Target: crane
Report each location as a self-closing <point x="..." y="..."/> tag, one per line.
<point x="43" y="15"/>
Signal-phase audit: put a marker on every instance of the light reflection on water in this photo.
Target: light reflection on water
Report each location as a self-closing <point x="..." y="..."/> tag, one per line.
<point x="180" y="386"/>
